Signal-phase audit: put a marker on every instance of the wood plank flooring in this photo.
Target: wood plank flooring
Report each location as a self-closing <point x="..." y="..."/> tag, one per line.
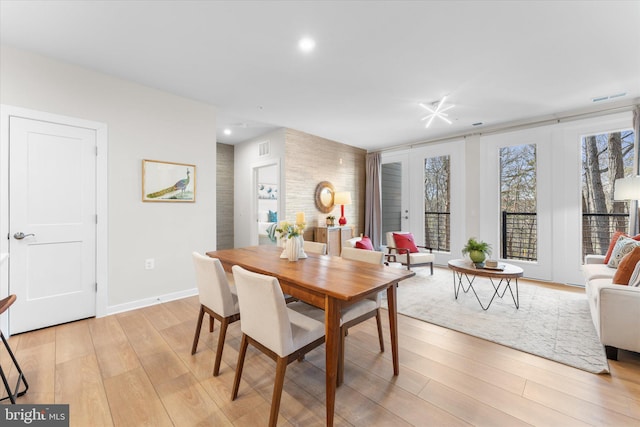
<point x="136" y="369"/>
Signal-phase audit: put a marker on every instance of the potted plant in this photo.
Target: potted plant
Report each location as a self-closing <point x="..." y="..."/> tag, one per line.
<point x="477" y="250"/>
<point x="331" y="220"/>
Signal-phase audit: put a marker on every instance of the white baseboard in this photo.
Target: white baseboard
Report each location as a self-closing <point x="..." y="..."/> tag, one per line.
<point x="133" y="305"/>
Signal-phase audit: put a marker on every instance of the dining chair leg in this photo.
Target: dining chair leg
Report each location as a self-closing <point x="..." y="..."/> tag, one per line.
<point x="241" y="354"/>
<point x="379" y="322"/>
<point x="281" y="369"/>
<point x="340" y="373"/>
<point x="198" y="327"/>
<point x="223" y="332"/>
<point x="211" y="322"/>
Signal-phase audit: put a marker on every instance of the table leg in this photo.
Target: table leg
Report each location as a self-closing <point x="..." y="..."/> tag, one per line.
<point x="332" y="343"/>
<point x="393" y="327"/>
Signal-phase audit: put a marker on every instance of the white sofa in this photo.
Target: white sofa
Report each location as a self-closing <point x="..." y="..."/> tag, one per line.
<point x="615" y="309"/>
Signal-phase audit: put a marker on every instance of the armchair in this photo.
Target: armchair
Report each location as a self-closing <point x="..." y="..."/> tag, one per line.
<point x="422" y="255"/>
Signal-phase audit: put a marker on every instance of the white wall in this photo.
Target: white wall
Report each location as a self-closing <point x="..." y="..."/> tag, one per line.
<point x="245" y="204"/>
<point x="143" y="123"/>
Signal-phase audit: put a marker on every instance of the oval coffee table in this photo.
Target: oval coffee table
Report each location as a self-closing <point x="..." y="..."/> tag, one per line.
<point x="465" y="268"/>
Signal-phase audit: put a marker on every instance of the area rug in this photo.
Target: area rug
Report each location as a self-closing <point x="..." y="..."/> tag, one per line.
<point x="550" y="323"/>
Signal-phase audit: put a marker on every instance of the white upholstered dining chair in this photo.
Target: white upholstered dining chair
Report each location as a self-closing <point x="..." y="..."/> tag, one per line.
<point x="268" y="324"/>
<point x="362" y="310"/>
<point x="315" y="247"/>
<point x="217" y="298"/>
<point x="355" y="313"/>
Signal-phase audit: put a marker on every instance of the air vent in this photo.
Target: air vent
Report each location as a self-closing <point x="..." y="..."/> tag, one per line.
<point x="477" y="124"/>
<point x="264" y="149"/>
<point x="604" y="98"/>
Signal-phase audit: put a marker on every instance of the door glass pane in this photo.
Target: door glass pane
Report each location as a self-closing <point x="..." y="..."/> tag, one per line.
<point x="605" y="158"/>
<point x="437" y="200"/>
<point x="518" y="202"/>
<point x="391" y="177"/>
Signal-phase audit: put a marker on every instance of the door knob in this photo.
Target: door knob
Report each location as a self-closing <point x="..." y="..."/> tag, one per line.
<point x="20" y="235"/>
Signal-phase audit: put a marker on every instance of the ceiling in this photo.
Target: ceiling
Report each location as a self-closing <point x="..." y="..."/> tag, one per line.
<point x="499" y="62"/>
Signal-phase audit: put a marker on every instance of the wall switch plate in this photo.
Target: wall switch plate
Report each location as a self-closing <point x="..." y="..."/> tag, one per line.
<point x="149" y="264"/>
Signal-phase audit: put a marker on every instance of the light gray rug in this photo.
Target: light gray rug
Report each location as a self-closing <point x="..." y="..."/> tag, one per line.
<point x="550" y="323"/>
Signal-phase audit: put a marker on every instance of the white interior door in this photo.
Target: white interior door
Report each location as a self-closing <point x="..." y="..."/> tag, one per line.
<point x="52" y="202"/>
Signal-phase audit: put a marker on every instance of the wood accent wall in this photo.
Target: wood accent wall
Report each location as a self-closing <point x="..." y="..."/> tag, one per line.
<point x="310" y="159"/>
<point x="224" y="197"/>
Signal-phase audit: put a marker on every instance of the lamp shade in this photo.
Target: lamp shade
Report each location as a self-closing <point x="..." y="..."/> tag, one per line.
<point x="343" y="198"/>
<point x="627" y="188"/>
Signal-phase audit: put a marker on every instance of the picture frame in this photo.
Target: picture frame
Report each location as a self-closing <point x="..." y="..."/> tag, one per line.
<point x="168" y="182"/>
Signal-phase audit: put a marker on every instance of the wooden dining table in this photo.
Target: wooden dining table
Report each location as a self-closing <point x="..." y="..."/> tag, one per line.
<point x="327" y="282"/>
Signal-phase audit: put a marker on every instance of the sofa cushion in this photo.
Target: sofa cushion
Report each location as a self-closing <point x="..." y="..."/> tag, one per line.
<point x="595" y="271"/>
<point x="626" y="267"/>
<point x="623" y="246"/>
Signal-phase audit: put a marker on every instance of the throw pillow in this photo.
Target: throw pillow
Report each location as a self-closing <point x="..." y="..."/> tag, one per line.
<point x="405" y="241"/>
<point x="614" y="240"/>
<point x="623" y="246"/>
<point x="634" y="280"/>
<point x="273" y="216"/>
<point x="364" y="243"/>
<point x="626" y="267"/>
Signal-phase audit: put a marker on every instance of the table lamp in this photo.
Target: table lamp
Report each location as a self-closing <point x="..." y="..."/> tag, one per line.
<point x="342" y="198"/>
<point x="629" y="189"/>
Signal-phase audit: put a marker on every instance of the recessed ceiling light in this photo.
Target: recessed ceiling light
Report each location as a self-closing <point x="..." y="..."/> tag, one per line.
<point x="306" y="44"/>
<point x="227" y="131"/>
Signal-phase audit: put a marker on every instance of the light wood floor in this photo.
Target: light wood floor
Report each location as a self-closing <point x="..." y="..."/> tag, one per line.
<point x="135" y="369"/>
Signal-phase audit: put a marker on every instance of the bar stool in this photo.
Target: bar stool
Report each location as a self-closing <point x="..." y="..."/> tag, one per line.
<point x="4" y="305"/>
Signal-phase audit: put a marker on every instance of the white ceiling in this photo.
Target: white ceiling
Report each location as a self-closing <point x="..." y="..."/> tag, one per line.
<point x="499" y="62"/>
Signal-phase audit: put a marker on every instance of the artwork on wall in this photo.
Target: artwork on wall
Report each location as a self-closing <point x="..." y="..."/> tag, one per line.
<point x="168" y="182"/>
<point x="268" y="191"/>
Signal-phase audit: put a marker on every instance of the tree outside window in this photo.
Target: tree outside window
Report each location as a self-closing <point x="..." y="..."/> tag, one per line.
<point x="518" y="202"/>
<point x="605" y="158"/>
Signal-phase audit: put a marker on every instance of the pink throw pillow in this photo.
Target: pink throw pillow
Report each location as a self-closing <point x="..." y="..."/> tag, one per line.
<point x="364" y="243"/>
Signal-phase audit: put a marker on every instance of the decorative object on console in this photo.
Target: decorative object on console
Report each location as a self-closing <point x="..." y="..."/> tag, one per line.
<point x="324" y="196"/>
<point x="342" y="198"/>
<point x="477" y="250"/>
<point x="331" y="221"/>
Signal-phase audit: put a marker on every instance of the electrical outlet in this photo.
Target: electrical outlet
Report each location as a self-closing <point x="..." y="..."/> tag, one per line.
<point x="149" y="264"/>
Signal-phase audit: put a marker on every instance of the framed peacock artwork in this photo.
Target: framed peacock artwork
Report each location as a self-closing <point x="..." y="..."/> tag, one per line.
<point x="168" y="182"/>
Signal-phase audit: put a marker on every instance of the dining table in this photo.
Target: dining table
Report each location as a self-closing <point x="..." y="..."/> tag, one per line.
<point x="327" y="282"/>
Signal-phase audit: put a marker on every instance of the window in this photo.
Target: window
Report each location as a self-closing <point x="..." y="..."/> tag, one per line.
<point x="436" y="203"/>
<point x="605" y="158"/>
<point x="518" y="202"/>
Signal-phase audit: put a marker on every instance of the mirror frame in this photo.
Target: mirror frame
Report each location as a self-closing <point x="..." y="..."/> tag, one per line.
<point x="321" y="188"/>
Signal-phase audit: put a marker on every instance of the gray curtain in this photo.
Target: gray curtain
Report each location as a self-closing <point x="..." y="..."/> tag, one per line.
<point x="373" y="200"/>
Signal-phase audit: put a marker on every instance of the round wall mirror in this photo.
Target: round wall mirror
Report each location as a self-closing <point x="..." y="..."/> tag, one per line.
<point x="324" y="196"/>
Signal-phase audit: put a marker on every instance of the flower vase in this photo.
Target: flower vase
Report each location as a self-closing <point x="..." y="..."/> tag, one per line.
<point x="292" y="248"/>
